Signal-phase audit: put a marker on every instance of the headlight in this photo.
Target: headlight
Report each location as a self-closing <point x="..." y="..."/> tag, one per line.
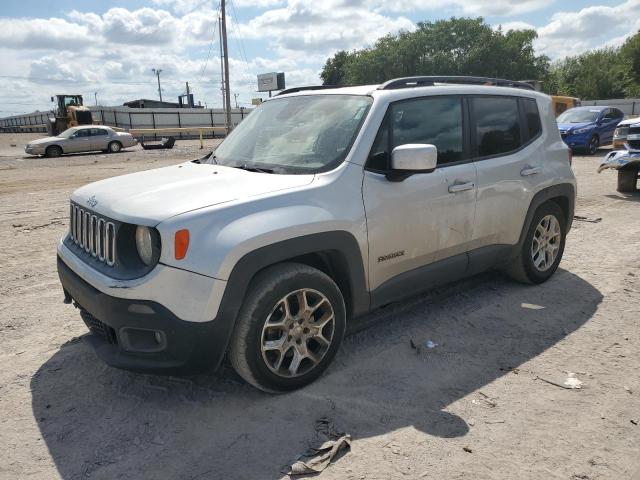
<point x="582" y="130"/>
<point x="147" y="244"/>
<point x="621" y="132"/>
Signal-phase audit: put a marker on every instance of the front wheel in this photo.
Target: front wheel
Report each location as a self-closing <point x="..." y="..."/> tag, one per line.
<point x="543" y="246"/>
<point x="53" y="151"/>
<point x="593" y="146"/>
<point x="289" y="328"/>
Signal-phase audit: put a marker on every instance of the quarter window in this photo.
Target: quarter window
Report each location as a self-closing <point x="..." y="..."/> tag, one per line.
<point x="497" y="125"/>
<point x="432" y="120"/>
<point x="532" y="114"/>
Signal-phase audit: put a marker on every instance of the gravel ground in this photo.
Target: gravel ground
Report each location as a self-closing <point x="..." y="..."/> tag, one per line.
<point x="477" y="406"/>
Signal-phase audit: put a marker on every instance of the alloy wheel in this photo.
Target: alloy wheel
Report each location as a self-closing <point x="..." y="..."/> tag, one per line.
<point x="297" y="333"/>
<point x="546" y="243"/>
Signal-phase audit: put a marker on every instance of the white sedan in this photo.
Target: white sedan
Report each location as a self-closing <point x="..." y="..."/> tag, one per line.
<point x="86" y="138"/>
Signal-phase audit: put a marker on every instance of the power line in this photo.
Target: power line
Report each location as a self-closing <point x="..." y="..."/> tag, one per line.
<point x="213" y="38"/>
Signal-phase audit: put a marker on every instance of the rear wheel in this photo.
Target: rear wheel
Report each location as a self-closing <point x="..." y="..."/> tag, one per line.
<point x="543" y="246"/>
<point x="593" y="146"/>
<point x="114" y="147"/>
<point x="53" y="151"/>
<point x="289" y="328"/>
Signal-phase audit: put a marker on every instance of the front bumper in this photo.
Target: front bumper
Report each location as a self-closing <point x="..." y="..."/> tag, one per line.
<point x="123" y="331"/>
<point x="34" y="151"/>
<point x="577" y="140"/>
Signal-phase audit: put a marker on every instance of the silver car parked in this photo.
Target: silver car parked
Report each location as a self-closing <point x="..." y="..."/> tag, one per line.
<point x="87" y="138"/>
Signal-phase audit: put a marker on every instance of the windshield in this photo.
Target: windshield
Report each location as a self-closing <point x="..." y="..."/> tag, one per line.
<point x="67" y="133"/>
<point x="578" y="116"/>
<point x="303" y="134"/>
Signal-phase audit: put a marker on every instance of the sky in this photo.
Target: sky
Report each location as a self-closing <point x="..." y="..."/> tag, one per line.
<point x="106" y="49"/>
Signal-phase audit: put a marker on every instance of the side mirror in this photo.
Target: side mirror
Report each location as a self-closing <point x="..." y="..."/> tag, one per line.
<point x="412" y="158"/>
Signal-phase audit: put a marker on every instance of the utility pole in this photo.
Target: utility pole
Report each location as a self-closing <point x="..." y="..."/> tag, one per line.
<point x="157" y="72"/>
<point x="235" y="97"/>
<point x="221" y="63"/>
<point x="227" y="91"/>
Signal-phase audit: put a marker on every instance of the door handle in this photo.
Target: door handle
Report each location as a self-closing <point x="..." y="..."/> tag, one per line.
<point x="526" y="172"/>
<point x="460" y="187"/>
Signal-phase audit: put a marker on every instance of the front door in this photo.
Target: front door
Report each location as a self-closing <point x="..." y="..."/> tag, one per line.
<point x="426" y="217"/>
<point x="78" y="142"/>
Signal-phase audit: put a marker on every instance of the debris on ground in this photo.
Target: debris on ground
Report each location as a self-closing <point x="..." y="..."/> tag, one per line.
<point x="628" y="389"/>
<point x="316" y="459"/>
<point x="587" y="219"/>
<point x="467" y="449"/>
<point x="571" y="383"/>
<point x="486" y="400"/>
<point x="421" y="347"/>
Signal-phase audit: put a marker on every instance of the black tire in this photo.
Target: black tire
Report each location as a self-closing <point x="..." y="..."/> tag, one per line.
<point x="260" y="304"/>
<point x="523" y="268"/>
<point x="114" y="147"/>
<point x="594" y="144"/>
<point x="627" y="180"/>
<point x="53" y="151"/>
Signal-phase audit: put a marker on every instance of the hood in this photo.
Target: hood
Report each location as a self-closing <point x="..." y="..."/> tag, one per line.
<point x="628" y="122"/>
<point x="563" y="127"/>
<point x="148" y="198"/>
<point x="40" y="141"/>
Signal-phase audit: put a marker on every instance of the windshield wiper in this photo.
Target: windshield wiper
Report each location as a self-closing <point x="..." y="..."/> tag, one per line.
<point x="253" y="169"/>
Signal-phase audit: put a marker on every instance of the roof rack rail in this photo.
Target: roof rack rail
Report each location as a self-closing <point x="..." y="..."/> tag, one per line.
<point x="411" y="82"/>
<point x="310" y="87"/>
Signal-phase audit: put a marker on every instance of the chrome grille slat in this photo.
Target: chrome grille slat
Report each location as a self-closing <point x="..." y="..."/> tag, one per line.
<point x="93" y="234"/>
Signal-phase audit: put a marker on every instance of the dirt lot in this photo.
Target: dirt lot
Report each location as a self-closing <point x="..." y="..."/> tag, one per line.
<point x="473" y="407"/>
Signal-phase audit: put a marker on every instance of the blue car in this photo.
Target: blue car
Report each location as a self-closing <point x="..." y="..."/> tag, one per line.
<point x="586" y="128"/>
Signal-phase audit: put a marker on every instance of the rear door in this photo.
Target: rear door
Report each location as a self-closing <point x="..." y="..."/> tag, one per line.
<point x="508" y="145"/>
<point x="426" y="217"/>
<point x="99" y="139"/>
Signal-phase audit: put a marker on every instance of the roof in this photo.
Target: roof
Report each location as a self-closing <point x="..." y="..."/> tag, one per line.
<point x="410" y="86"/>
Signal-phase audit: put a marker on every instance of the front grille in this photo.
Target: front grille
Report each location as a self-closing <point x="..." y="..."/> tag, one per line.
<point x="634" y="130"/>
<point x="94" y="234"/>
<point x="99" y="328"/>
<point x="634" y="144"/>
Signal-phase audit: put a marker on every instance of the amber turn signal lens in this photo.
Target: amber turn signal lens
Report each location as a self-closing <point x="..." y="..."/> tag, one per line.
<point x="181" y="244"/>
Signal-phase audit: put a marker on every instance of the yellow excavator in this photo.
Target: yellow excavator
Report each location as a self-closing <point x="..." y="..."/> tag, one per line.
<point x="69" y="112"/>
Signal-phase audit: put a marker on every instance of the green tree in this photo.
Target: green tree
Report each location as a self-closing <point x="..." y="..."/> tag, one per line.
<point x="458" y="46"/>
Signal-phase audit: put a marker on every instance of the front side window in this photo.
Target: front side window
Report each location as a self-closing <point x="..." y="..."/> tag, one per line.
<point x="301" y="134"/>
<point x="82" y="133"/>
<point x="431" y="120"/>
<point x="497" y="125"/>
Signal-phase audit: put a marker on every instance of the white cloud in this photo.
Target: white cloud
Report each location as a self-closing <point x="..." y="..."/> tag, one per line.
<point x="517" y="25"/>
<point x="572" y="33"/>
<point x="504" y="8"/>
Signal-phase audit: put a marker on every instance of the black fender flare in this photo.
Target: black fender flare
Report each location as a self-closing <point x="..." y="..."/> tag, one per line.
<point x="341" y="244"/>
<point x="562" y="190"/>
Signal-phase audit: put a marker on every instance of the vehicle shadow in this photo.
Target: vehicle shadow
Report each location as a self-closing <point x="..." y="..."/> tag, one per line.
<point x="105" y="423"/>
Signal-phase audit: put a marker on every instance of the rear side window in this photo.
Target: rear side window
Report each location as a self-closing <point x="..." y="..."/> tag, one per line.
<point x="531" y="113"/>
<point x="432" y="120"/>
<point x="98" y="131"/>
<point x="497" y="125"/>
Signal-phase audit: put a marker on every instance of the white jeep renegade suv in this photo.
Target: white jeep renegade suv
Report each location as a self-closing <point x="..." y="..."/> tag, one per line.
<point x="322" y="205"/>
